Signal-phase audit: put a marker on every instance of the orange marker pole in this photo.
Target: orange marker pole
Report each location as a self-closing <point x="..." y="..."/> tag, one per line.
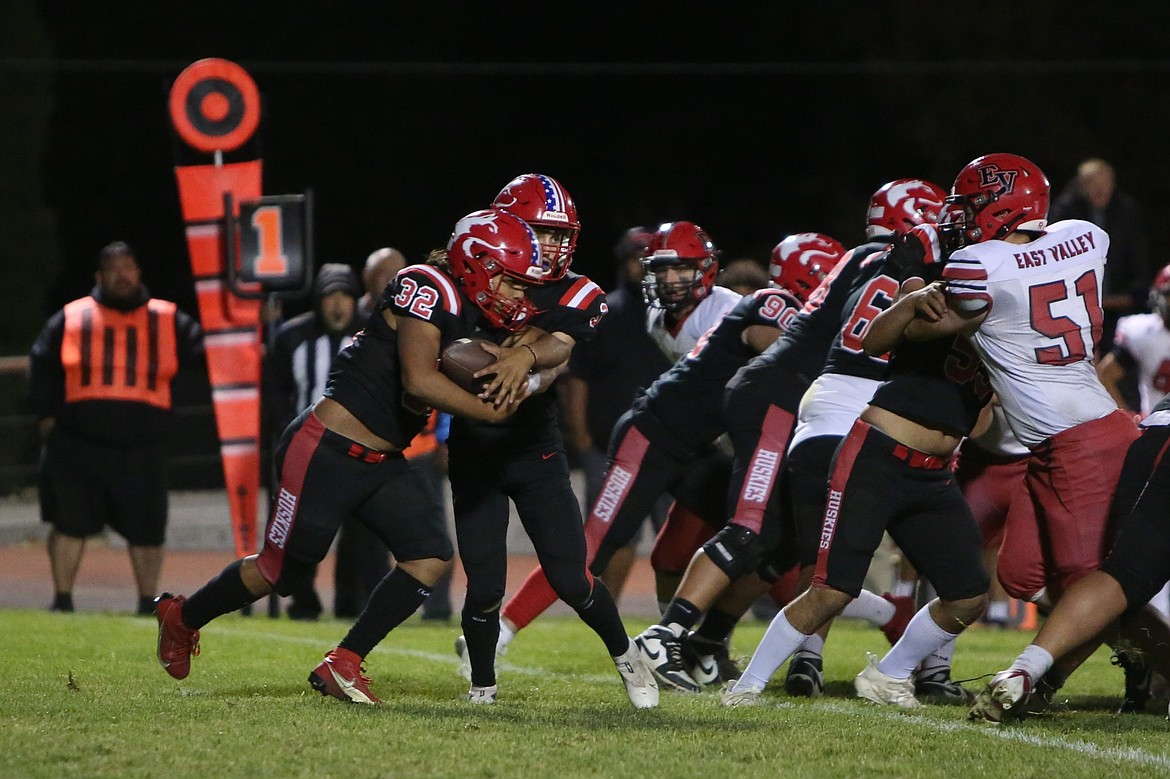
<point x="215" y="107"/>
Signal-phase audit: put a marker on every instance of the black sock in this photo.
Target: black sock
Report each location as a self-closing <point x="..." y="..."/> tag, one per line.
<point x="600" y="613"/>
<point x="717" y="625"/>
<point x="62" y="601"/>
<point x="145" y="605"/>
<point x="481" y="630"/>
<point x="681" y="611"/>
<point x="222" y="595"/>
<point x="395" y="598"/>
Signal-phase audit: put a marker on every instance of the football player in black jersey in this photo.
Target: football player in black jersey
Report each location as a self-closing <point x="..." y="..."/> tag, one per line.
<point x="343" y="456"/>
<point x="656" y="445"/>
<point x="892" y="473"/>
<point x="828" y="410"/>
<point x="760" y="409"/>
<point x="523" y="459"/>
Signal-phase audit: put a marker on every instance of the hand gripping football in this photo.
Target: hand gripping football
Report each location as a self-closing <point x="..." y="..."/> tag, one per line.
<point x="461" y="359"/>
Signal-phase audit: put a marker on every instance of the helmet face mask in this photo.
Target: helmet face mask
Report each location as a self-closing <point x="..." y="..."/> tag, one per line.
<point x="680" y="266"/>
<point x="802" y="260"/>
<point x="998" y="194"/>
<point x="672" y="285"/>
<point x="547" y="207"/>
<point x="486" y="247"/>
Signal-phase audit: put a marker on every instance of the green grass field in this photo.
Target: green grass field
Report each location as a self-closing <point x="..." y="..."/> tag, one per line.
<point x="86" y="698"/>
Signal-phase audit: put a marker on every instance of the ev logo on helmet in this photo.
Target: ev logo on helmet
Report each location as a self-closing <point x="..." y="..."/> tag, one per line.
<point x="992" y="175"/>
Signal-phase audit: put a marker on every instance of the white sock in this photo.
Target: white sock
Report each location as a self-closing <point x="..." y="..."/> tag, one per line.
<point x="939" y="658"/>
<point x="870" y="606"/>
<point x="814" y="644"/>
<point x="780" y="641"/>
<point x="506" y="636"/>
<point x="1034" y="660"/>
<point x="922" y="637"/>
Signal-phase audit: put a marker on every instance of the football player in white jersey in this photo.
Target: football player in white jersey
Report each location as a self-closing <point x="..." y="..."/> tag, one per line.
<point x="679" y="286"/>
<point x="1142" y="344"/>
<point x="1028" y="295"/>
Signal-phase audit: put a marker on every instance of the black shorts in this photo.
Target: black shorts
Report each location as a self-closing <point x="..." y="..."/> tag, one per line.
<point x="879" y="485"/>
<point x="86" y="486"/>
<point x="1140" y="560"/>
<point x="809" y="465"/>
<point x="644" y="463"/>
<point x="483" y="481"/>
<point x="325" y="477"/>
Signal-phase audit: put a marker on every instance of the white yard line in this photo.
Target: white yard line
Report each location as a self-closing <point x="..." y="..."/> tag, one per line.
<point x="1010" y="733"/>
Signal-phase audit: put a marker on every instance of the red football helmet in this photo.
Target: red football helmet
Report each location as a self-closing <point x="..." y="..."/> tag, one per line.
<point x="802" y="260"/>
<point x="901" y="204"/>
<point x="490" y="244"/>
<point x="1159" y="290"/>
<point x="548" y="209"/>
<point x="684" y="248"/>
<point x="998" y="194"/>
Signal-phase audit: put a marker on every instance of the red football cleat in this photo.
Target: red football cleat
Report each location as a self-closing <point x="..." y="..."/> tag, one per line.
<point x="176" y="641"/>
<point x="340" y="675"/>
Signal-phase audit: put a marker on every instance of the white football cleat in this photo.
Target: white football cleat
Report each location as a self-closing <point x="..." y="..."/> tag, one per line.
<point x="873" y="685"/>
<point x="638" y="679"/>
<point x="745" y="696"/>
<point x="482" y="695"/>
<point x="1005" y="696"/>
<point x="662" y="651"/>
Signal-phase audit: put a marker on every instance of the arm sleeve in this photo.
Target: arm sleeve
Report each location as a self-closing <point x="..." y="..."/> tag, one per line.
<point x="46" y="376"/>
<point x="189" y="342"/>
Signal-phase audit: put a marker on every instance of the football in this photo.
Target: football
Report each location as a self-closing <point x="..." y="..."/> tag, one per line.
<point x="462" y="358"/>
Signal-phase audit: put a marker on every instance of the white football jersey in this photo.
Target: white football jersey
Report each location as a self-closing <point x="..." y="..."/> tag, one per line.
<point x="999" y="439"/>
<point x="831" y="405"/>
<point x="1145" y="338"/>
<point x="706" y="315"/>
<point x="1044" y="318"/>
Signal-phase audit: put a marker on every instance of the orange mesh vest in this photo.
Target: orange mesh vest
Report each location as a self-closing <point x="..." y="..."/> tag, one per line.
<point x="114" y="355"/>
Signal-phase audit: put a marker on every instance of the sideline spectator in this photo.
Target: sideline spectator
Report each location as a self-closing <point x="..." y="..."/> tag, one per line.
<point x="100" y="380"/>
<point x="1094" y="197"/>
<point x="298" y="370"/>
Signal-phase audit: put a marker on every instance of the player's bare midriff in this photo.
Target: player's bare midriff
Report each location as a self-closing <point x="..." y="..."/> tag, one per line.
<point x="338" y="419"/>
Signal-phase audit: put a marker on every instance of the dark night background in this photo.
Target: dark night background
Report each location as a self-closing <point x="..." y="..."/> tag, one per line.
<point x="753" y="119"/>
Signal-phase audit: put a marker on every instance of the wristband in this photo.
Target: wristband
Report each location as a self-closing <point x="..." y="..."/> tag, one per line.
<point x="532" y="352"/>
<point x="533" y="383"/>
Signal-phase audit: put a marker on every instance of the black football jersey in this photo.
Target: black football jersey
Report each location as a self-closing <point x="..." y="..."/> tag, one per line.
<point x="939" y="384"/>
<point x="573" y="305"/>
<point x="688" y="397"/>
<point x="788" y="366"/>
<point x="367" y="375"/>
<point x="874" y="290"/>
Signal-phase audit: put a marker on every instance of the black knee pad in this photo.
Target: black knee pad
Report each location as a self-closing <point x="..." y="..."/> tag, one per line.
<point x="295" y="575"/>
<point x="735" y="550"/>
<point x="484" y="600"/>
